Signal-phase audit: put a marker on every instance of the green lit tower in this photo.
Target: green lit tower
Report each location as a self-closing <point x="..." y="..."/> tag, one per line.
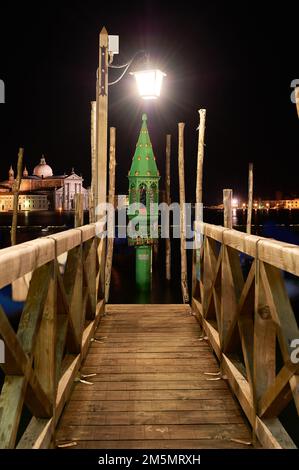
<point x="144" y="195"/>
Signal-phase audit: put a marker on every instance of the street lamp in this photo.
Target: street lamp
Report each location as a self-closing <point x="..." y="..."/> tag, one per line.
<point x="149" y="82"/>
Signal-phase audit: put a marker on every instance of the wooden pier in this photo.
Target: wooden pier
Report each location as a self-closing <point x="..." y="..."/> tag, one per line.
<point x="153" y="383"/>
<point x="167" y="376"/>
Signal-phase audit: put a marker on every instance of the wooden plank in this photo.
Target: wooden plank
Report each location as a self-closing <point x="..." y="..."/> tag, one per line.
<point x="279" y="254"/>
<point x="45" y="348"/>
<point x="204" y="383"/>
<point x="145" y="348"/>
<point x="168" y="377"/>
<point x="64" y="308"/>
<point x="17" y="363"/>
<point x="141" y="308"/>
<point x="66" y="241"/>
<point x="154" y="417"/>
<point x="272" y="434"/>
<point x="156" y="405"/>
<point x="89" y="279"/>
<point x="38" y="434"/>
<point x="122" y="357"/>
<point x="137" y="432"/>
<point x="73" y="283"/>
<point x="278" y="394"/>
<point x="207" y="367"/>
<point x="264" y="344"/>
<point x="232" y="284"/>
<point x="15" y="357"/>
<point x="33" y="309"/>
<point x="164" y="444"/>
<point x="240" y="387"/>
<point x="135" y="395"/>
<point x="11" y="404"/>
<point x="280" y="307"/>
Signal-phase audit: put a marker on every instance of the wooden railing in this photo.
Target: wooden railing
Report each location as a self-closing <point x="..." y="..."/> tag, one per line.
<point x="60" y="314"/>
<point x="240" y="298"/>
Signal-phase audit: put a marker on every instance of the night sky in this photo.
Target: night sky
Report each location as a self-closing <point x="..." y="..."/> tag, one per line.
<point x="235" y="59"/>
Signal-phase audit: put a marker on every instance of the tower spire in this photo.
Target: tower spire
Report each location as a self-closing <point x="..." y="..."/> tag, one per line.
<point x="144" y="161"/>
<point x="11" y="174"/>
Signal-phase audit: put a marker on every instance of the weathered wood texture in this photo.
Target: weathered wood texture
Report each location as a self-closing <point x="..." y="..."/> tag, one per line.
<point x="110" y="243"/>
<point x="184" y="275"/>
<point x="59" y="317"/>
<point x="168" y="201"/>
<point x="246" y="313"/>
<point x="79" y="213"/>
<point x="250" y="198"/>
<point x="227" y="208"/>
<point x="93" y="144"/>
<point x="200" y="157"/>
<point x="151" y="386"/>
<point x="16" y="190"/>
<point x="101" y="125"/>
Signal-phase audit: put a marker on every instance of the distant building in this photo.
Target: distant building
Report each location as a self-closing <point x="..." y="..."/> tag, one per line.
<point x="26" y="202"/>
<point x="59" y="190"/>
<point x="264" y="204"/>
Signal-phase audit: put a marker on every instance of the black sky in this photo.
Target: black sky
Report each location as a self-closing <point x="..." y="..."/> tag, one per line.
<point x="237" y="59"/>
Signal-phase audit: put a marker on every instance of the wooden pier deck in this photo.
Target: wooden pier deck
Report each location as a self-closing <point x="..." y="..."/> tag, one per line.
<point x="155" y="386"/>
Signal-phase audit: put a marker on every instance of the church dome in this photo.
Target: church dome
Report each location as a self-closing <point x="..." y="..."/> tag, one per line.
<point x="43" y="170"/>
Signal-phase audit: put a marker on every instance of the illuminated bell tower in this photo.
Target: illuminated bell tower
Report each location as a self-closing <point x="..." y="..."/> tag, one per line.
<point x="143" y="193"/>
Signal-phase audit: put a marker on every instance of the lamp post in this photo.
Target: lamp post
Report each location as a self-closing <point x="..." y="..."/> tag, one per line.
<point x="149" y="83"/>
<point x="101" y="124"/>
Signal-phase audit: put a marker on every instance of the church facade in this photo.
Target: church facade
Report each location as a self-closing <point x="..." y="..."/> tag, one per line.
<point x="44" y="190"/>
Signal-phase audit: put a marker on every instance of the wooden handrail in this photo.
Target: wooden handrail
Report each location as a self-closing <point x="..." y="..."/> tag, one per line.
<point x="59" y="317"/>
<point x="245" y="311"/>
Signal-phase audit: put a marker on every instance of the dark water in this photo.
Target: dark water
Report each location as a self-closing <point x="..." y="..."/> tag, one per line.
<point x="35" y="224"/>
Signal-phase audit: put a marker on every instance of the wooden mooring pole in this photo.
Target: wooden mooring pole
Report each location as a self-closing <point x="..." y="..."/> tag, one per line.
<point x="168" y="201"/>
<point x="102" y="124"/>
<point x="200" y="156"/>
<point x="227" y="208"/>
<point x="16" y="190"/>
<point x="198" y="197"/>
<point x="93" y="143"/>
<point x="184" y="277"/>
<point x="79" y="214"/>
<point x="110" y="242"/>
<point x="250" y="198"/>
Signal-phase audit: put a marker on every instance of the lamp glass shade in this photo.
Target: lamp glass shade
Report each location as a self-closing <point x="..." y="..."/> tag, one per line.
<point x="149" y="83"/>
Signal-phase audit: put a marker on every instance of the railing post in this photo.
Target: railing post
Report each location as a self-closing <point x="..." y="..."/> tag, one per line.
<point x="79" y="214"/>
<point x="168" y="201"/>
<point x="93" y="142"/>
<point x="110" y="242"/>
<point x="250" y="198"/>
<point x="184" y="279"/>
<point x="227" y="208"/>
